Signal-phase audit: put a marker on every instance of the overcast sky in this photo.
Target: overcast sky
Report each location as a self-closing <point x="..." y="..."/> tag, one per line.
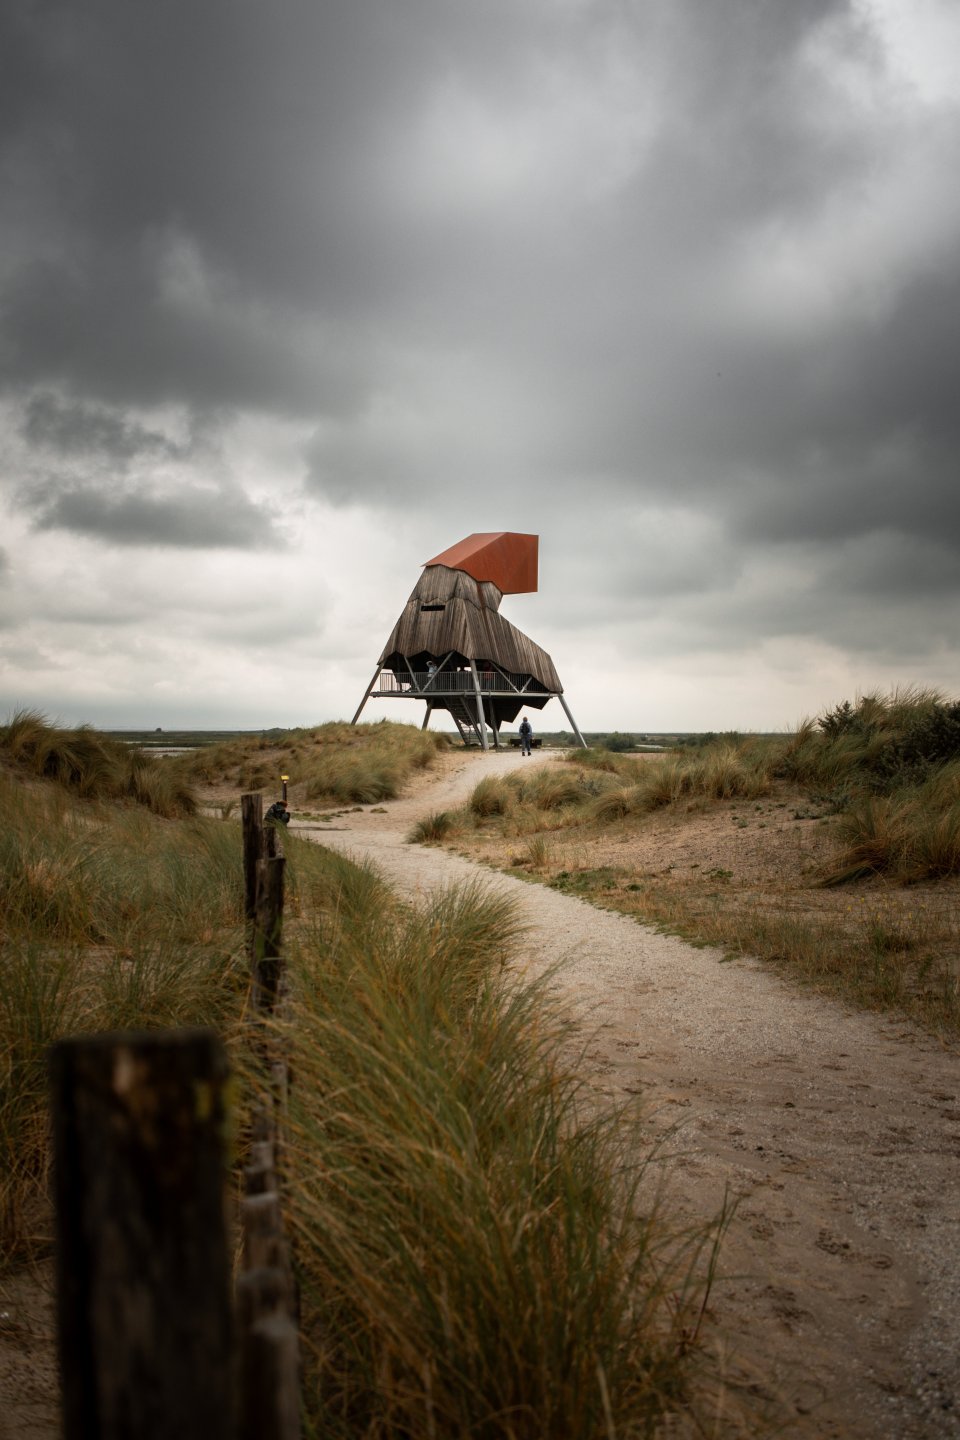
<point x="294" y="296"/>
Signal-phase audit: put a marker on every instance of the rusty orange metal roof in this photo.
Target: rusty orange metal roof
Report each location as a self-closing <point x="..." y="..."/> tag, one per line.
<point x="505" y="557"/>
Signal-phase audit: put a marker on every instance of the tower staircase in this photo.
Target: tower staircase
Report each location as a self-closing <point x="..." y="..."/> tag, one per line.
<point x="465" y="718"/>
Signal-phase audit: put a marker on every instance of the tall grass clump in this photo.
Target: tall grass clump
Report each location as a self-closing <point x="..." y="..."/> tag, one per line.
<point x="911" y="835"/>
<point x="492" y="796"/>
<point x="110" y="918"/>
<point x="40" y="1001"/>
<point x="879" y="743"/>
<point x="92" y="765"/>
<point x="719" y="772"/>
<point x="438" y="825"/>
<point x="480" y="1250"/>
<point x="627" y="767"/>
<point x="546" y="797"/>
<point x="111" y="876"/>
<point x="552" y="787"/>
<point x="370" y="763"/>
<point x="892" y="765"/>
<point x="361" y="780"/>
<point x="355" y="764"/>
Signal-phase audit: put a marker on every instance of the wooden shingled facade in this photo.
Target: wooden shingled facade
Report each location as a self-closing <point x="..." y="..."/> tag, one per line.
<point x="450" y="611"/>
<point x="453" y="649"/>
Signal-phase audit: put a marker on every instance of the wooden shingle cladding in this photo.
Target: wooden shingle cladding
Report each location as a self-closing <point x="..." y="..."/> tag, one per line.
<point x="451" y="611"/>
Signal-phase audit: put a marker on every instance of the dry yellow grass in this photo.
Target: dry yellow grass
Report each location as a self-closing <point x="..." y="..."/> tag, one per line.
<point x="748" y="875"/>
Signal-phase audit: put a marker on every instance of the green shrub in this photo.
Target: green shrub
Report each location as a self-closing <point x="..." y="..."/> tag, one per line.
<point x="881" y="743"/>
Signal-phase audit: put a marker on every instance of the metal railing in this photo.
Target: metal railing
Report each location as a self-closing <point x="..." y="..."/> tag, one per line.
<point x="455" y="682"/>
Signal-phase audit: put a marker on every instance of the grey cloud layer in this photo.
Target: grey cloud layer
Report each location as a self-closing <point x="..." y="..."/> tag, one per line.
<point x="694" y="259"/>
<point x="207" y="519"/>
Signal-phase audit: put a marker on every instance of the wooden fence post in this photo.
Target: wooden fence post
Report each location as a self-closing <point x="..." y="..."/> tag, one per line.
<point x="143" y="1266"/>
<point x="267" y="1302"/>
<point x="263" y="869"/>
<point x="267" y="1312"/>
<point x="251" y="810"/>
<point x="268" y="933"/>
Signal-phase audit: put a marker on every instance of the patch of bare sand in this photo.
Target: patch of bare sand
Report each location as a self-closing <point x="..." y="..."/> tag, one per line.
<point x="28" y="1365"/>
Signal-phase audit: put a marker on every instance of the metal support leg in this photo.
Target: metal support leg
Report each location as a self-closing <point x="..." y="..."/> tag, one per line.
<point x="369" y="691"/>
<point x="426" y="718"/>
<point x="480" y="719"/>
<point x="573" y="722"/>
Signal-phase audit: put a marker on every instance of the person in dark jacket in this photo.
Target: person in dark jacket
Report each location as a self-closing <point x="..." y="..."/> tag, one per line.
<point x="278" y="813"/>
<point x="526" y="735"/>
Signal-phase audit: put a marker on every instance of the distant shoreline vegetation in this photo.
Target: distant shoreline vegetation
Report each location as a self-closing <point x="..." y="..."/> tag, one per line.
<point x="615" y="740"/>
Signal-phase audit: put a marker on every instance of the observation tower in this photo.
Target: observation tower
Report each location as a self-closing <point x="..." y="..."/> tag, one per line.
<point x="453" y="650"/>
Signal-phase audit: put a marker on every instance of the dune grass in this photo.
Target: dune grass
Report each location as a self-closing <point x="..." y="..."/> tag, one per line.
<point x="355" y="764"/>
<point x="882" y="775"/>
<point x="111" y="918"/>
<point x="92" y="765"/>
<point x="479" y="1244"/>
<point x="889" y="765"/>
<point x="438" y="825"/>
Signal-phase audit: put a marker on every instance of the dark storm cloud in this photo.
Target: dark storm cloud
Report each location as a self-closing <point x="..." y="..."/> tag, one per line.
<point x="199" y="519"/>
<point x="688" y="272"/>
<point x="73" y="429"/>
<point x="280" y="160"/>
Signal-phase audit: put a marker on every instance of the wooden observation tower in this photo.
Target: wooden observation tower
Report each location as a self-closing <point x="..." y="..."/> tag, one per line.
<point x="452" y="649"/>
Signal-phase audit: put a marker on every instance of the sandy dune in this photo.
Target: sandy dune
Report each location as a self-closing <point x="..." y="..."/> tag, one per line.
<point x="838" y="1132"/>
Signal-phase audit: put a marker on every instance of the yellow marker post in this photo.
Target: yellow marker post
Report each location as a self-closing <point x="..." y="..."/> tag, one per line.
<point x="284" y="779"/>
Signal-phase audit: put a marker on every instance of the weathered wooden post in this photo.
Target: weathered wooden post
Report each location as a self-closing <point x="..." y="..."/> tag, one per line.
<point x="263" y="870"/>
<point x="267" y="1304"/>
<point x="251" y="811"/>
<point x="268" y="932"/>
<point x="269" y="1357"/>
<point x="143" y="1267"/>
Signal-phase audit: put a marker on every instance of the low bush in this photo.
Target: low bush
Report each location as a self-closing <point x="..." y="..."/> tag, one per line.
<point x="887" y="742"/>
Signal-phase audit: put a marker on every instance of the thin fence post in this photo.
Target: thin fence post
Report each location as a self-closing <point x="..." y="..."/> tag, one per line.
<point x="251" y="810"/>
<point x="267" y="1301"/>
<point x="268" y="933"/>
<point x="143" y="1267"/>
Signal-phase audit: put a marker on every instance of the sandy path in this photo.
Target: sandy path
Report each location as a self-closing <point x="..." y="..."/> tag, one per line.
<point x="838" y="1132"/>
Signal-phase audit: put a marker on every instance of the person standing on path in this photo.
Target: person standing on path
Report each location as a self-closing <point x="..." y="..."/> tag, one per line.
<point x="526" y="735"/>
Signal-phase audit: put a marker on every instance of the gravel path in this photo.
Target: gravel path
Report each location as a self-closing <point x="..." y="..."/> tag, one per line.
<point x="838" y="1132"/>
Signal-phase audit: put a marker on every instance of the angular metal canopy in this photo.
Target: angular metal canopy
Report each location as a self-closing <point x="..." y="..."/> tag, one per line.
<point x="503" y="557"/>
